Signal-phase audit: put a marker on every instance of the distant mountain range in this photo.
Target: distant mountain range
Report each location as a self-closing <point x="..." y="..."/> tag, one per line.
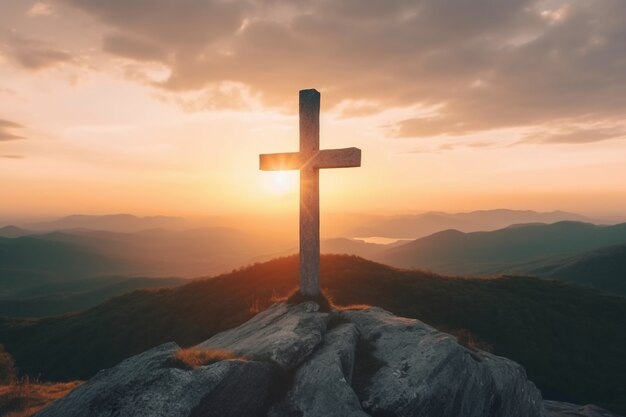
<point x="81" y="253"/>
<point x="411" y="226"/>
<point x="571" y="340"/>
<point x="567" y="250"/>
<point x="420" y="225"/>
<point x="549" y="250"/>
<point x="13" y="231"/>
<point x="71" y="270"/>
<point x="110" y="222"/>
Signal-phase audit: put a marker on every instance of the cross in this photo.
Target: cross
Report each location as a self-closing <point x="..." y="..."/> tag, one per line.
<point x="309" y="161"/>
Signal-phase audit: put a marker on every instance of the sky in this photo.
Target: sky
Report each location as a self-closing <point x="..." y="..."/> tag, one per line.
<point x="162" y="106"/>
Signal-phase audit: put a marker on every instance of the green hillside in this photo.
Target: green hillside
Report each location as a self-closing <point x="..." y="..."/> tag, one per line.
<point x="570" y="339"/>
<point x="67" y="297"/>
<point x="603" y="268"/>
<point x="515" y="249"/>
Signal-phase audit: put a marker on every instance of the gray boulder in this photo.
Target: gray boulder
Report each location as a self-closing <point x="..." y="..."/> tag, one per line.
<point x="408" y="368"/>
<point x="148" y="385"/>
<point x="321" y="386"/>
<point x="282" y="334"/>
<point x="560" y="409"/>
<point x="298" y="361"/>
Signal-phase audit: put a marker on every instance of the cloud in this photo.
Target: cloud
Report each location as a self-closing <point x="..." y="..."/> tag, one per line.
<point x="7" y="129"/>
<point x="12" y="156"/>
<point x="40" y="9"/>
<point x="129" y="47"/>
<point x="182" y="25"/>
<point x="576" y="135"/>
<point x="485" y="64"/>
<point x="32" y="54"/>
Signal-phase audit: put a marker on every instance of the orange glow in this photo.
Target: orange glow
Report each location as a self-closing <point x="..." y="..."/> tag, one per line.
<point x="93" y="132"/>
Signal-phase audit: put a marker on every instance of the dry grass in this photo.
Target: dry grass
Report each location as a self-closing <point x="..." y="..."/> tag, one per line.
<point x="24" y="399"/>
<point x="470" y="340"/>
<point x="192" y="358"/>
<point x="351" y="307"/>
<point x="324" y="300"/>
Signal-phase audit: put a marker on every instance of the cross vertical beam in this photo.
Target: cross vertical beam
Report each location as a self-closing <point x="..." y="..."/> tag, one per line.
<point x="309" y="194"/>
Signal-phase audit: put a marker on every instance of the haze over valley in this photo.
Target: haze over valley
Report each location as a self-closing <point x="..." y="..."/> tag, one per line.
<point x="75" y="262"/>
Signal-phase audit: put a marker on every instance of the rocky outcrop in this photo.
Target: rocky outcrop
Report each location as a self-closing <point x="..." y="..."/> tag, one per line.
<point x="282" y="334"/>
<point x="148" y="385"/>
<point x="295" y="360"/>
<point x="411" y="369"/>
<point x="560" y="409"/>
<point x="322" y="385"/>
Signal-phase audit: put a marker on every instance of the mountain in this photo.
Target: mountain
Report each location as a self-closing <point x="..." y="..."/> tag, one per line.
<point x="603" y="268"/>
<point x="13" y="231"/>
<point x="81" y="254"/>
<point x="67" y="297"/>
<point x="570" y="339"/>
<point x="515" y="249"/>
<point x="351" y="247"/>
<point x="31" y="261"/>
<point x="111" y="222"/>
<point x="188" y="253"/>
<point x="421" y="225"/>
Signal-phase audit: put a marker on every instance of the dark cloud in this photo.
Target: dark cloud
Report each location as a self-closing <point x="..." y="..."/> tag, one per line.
<point x="32" y="54"/>
<point x="175" y="24"/>
<point x="133" y="48"/>
<point x="7" y="129"/>
<point x="485" y="64"/>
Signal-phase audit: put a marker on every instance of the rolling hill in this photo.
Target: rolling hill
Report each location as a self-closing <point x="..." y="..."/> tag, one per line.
<point x="603" y="268"/>
<point x="421" y="225"/>
<point x="124" y="223"/>
<point x="515" y="249"/>
<point x="14" y="231"/>
<point x="67" y="297"/>
<point x="570" y="339"/>
<point x="31" y="261"/>
<point x="81" y="254"/>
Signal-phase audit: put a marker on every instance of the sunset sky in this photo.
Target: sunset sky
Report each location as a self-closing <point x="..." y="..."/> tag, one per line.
<point x="162" y="106"/>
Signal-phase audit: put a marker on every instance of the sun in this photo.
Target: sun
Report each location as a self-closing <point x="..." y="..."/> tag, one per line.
<point x="282" y="182"/>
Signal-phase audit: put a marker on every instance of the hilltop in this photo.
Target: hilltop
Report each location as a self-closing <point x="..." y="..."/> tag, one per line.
<point x="570" y="339"/>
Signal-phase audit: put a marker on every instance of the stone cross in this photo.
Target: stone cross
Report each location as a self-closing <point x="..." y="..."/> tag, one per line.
<point x="309" y="161"/>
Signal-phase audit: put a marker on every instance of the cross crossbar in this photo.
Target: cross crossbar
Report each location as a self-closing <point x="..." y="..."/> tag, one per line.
<point x="328" y="158"/>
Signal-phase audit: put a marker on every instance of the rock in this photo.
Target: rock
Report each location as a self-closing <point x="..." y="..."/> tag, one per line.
<point x="303" y="362"/>
<point x="560" y="409"/>
<point x="407" y="368"/>
<point x="283" y="334"/>
<point x="148" y="385"/>
<point x="321" y="386"/>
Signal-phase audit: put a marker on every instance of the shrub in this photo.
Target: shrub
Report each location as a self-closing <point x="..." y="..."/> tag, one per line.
<point x="8" y="373"/>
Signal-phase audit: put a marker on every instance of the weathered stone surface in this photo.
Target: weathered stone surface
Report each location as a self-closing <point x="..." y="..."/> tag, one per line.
<point x="147" y="385"/>
<point x="368" y="363"/>
<point x="559" y="409"/>
<point x="321" y="386"/>
<point x="282" y="334"/>
<point x="407" y="368"/>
